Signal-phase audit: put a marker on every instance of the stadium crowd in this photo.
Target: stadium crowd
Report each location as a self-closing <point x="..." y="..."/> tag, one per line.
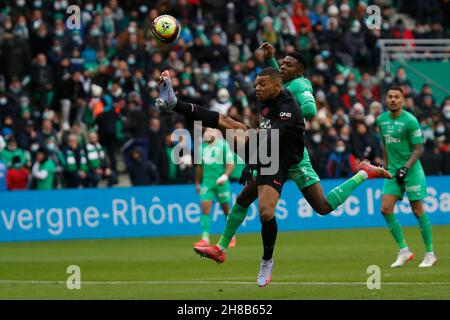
<point x="77" y="104"/>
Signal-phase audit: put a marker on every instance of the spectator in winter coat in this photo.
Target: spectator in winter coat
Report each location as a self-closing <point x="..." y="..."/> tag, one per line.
<point x="142" y="171"/>
<point x="341" y="163"/>
<point x="17" y="176"/>
<point x="74" y="162"/>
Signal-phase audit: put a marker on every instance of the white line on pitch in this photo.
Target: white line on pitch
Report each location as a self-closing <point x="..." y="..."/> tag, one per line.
<point x="149" y="282"/>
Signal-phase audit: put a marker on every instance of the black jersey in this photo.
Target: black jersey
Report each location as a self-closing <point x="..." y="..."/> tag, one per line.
<point x="284" y="115"/>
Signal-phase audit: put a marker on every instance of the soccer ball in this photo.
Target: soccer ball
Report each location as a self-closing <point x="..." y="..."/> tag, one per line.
<point x="165" y="29"/>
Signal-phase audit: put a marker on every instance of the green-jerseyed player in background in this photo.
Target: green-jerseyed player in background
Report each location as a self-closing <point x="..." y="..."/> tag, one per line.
<point x="212" y="179"/>
<point x="303" y="174"/>
<point x="402" y="147"/>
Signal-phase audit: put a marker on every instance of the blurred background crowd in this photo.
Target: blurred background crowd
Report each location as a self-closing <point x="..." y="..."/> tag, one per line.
<point x="77" y="106"/>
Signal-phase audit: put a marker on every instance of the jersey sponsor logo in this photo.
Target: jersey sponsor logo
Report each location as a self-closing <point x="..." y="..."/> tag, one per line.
<point x="415" y="188"/>
<point x="417" y="133"/>
<point x="307" y="94"/>
<point x="285" y="115"/>
<point x="390" y="139"/>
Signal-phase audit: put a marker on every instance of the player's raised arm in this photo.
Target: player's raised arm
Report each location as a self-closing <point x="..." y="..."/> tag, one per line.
<point x="212" y="119"/>
<point x="269" y="54"/>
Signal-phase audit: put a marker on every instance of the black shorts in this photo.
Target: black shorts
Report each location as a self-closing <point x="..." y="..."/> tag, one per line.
<point x="277" y="179"/>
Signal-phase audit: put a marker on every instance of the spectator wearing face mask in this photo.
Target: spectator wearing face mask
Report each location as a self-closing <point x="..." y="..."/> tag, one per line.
<point x="97" y="162"/>
<point x="239" y="51"/>
<point x="365" y="146"/>
<point x="341" y="163"/>
<point x="428" y="108"/>
<point x="318" y="152"/>
<point x="12" y="151"/>
<point x="74" y="162"/>
<point x="15" y="91"/>
<point x="401" y="78"/>
<point x="222" y="103"/>
<point x="345" y="135"/>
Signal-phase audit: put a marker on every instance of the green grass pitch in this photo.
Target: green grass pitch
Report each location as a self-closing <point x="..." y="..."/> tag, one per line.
<point x="328" y="264"/>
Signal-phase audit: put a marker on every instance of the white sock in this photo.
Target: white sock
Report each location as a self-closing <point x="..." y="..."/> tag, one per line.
<point x="364" y="174"/>
<point x="405" y="250"/>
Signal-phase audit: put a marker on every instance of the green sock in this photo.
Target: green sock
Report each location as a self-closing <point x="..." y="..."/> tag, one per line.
<point x="338" y="195"/>
<point x="425" y="230"/>
<point x="234" y="220"/>
<point x="396" y="230"/>
<point x="205" y="221"/>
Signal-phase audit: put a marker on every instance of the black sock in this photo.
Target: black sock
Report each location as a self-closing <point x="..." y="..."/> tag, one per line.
<point x="196" y="112"/>
<point x="269" y="230"/>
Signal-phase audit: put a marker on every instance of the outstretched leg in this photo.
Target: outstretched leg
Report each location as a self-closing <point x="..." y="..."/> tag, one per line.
<point x="168" y="100"/>
<point x="325" y="204"/>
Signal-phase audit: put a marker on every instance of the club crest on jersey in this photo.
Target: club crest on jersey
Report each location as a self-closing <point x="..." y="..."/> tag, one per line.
<point x="265" y="111"/>
<point x="285" y="115"/>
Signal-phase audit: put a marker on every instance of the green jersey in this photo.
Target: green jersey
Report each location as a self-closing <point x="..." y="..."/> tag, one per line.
<point x="214" y="158"/>
<point x="399" y="137"/>
<point x="301" y="89"/>
<point x="47" y="183"/>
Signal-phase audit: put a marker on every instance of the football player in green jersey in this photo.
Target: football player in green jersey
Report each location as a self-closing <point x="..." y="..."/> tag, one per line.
<point x="402" y="147"/>
<point x="303" y="174"/>
<point x="212" y="179"/>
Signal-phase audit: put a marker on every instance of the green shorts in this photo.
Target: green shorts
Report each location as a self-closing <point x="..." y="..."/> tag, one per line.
<point x="303" y="174"/>
<point x="211" y="192"/>
<point x="415" y="186"/>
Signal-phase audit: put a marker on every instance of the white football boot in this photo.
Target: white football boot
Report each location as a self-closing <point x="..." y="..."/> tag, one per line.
<point x="404" y="256"/>
<point x="265" y="272"/>
<point x="429" y="260"/>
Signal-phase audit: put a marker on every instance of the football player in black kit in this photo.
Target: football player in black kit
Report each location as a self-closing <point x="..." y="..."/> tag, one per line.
<point x="280" y="112"/>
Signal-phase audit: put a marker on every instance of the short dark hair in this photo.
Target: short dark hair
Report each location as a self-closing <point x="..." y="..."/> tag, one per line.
<point x="299" y="57"/>
<point x="397" y="88"/>
<point x="271" y="72"/>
